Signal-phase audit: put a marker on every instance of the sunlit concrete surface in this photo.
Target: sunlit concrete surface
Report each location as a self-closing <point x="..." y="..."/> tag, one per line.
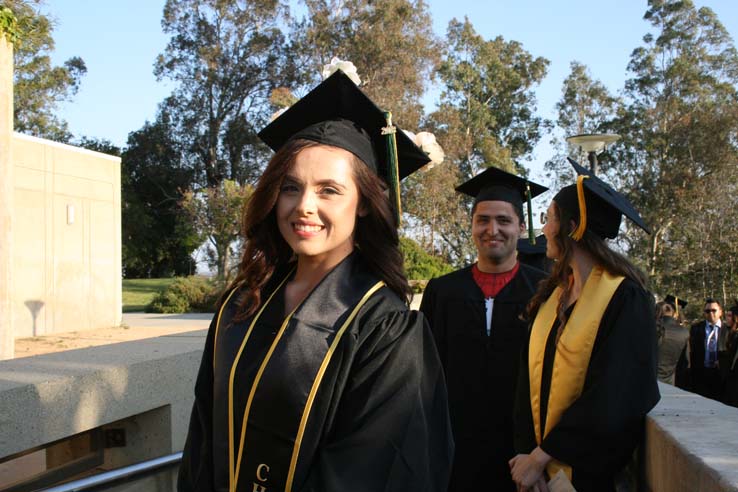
<point x="691" y="444"/>
<point x="135" y="326"/>
<point x="49" y="397"/>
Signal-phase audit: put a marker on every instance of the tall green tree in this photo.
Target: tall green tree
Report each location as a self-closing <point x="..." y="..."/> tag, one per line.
<point x="225" y="58"/>
<point x="391" y="42"/>
<point x="679" y="151"/>
<point x="39" y="86"/>
<point x="586" y="106"/>
<point x="158" y="238"/>
<point x="487" y="112"/>
<point x="486" y="116"/>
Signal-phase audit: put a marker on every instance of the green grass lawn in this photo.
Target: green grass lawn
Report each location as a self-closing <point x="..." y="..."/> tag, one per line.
<point x="138" y="292"/>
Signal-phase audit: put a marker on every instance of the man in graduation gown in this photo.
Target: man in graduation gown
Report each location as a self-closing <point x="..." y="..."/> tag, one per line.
<point x="475" y="316"/>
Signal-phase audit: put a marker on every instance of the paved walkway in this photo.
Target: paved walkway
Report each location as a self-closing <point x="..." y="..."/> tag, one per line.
<point x="135" y="326"/>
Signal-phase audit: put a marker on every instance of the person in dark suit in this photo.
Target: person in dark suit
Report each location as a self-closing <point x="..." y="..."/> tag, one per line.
<point x="475" y="316"/>
<point x="704" y="344"/>
<point x="730" y="390"/>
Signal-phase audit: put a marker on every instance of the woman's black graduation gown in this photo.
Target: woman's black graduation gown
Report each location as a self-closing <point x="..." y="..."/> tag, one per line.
<point x="598" y="433"/>
<point x="378" y="422"/>
<point x="481" y="370"/>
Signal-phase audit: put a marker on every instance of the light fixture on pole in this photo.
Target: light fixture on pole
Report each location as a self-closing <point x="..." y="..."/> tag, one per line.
<point x="593" y="144"/>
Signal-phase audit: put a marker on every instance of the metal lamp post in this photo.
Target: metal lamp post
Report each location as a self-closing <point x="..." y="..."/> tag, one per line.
<point x="593" y="144"/>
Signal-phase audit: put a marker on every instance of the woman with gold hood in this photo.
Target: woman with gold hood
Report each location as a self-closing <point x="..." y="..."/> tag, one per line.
<point x="588" y="375"/>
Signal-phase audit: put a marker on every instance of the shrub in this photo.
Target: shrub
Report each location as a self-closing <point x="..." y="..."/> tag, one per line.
<point x="420" y="265"/>
<point x="185" y="295"/>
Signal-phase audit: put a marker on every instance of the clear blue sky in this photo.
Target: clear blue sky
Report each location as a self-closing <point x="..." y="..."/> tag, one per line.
<point x="119" y="41"/>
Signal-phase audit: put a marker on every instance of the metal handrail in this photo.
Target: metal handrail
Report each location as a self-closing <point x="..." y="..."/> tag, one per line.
<point x="120" y="474"/>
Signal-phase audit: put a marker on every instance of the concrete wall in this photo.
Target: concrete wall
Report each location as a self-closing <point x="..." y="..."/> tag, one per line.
<point x="60" y="232"/>
<point x="691" y="443"/>
<point x="6" y="198"/>
<point x="67" y="238"/>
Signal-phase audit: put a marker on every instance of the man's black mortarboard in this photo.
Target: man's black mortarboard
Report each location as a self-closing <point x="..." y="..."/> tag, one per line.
<point x="596" y="205"/>
<point x="496" y="184"/>
<point x="339" y="114"/>
<point x="534" y="254"/>
<point x="525" y="248"/>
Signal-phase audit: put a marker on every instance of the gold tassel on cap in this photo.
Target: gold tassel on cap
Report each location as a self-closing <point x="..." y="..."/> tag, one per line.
<point x="578" y="233"/>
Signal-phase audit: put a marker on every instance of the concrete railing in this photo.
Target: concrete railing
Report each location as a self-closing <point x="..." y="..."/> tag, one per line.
<point x="691" y="442"/>
<point x="143" y="387"/>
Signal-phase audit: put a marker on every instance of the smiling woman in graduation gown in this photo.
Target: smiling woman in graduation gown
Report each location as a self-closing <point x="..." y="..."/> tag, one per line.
<point x="376" y="422"/>
<point x="588" y="373"/>
<point x="339" y="388"/>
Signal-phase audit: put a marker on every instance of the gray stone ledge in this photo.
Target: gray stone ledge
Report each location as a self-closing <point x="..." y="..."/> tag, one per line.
<point x="49" y="397"/>
<point x="691" y="444"/>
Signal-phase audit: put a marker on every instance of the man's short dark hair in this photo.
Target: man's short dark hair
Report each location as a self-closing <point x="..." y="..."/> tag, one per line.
<point x="710" y="300"/>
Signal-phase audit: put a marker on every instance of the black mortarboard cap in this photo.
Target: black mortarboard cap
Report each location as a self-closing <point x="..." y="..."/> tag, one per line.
<point x="525" y="248"/>
<point x="339" y="114"/>
<point x="673" y="301"/>
<point x="603" y="206"/>
<point x="534" y="254"/>
<point x="496" y="184"/>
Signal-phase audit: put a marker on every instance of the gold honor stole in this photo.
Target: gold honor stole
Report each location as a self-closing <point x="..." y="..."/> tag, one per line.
<point x="573" y="352"/>
<point x="264" y="456"/>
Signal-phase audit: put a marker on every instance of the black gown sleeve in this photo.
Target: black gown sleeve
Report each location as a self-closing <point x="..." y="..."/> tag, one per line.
<point x="196" y="468"/>
<point x="429" y="307"/>
<point x="392" y="430"/>
<point x="599" y="431"/>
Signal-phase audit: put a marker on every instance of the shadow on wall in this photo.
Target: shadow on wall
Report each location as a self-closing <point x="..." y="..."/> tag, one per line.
<point x="35" y="307"/>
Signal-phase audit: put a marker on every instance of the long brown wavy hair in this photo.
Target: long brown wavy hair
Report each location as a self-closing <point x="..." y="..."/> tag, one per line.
<point x="561" y="275"/>
<point x="375" y="234"/>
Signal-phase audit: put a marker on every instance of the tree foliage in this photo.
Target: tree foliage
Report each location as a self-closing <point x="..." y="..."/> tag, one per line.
<point x="487" y="112"/>
<point x="39" y="87"/>
<point x="225" y="57"/>
<point x="391" y="42"/>
<point x="158" y="240"/>
<point x="679" y="150"/>
<point x="215" y="212"/>
<point x="586" y="106"/>
<point x="419" y="265"/>
<point x="486" y="116"/>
